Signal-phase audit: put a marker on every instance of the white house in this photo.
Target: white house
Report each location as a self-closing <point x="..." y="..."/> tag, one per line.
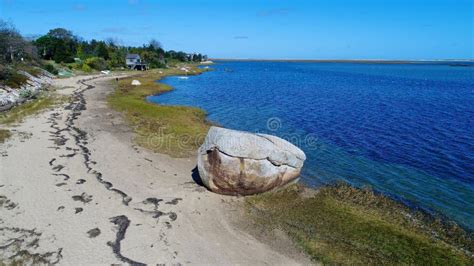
<point x="135" y="62"/>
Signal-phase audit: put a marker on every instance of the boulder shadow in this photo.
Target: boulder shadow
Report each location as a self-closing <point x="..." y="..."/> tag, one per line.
<point x="196" y="177"/>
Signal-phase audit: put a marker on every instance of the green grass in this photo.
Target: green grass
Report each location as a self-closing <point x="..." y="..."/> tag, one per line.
<point x="18" y="113"/>
<point x="344" y="225"/>
<point x="32" y="70"/>
<point x="4" y="135"/>
<point x="174" y="130"/>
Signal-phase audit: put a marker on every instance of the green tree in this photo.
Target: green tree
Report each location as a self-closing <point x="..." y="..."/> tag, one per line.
<point x="102" y="50"/>
<point x="59" y="44"/>
<point x="61" y="53"/>
<point x="80" y="51"/>
<point x="117" y="56"/>
<point x="62" y="45"/>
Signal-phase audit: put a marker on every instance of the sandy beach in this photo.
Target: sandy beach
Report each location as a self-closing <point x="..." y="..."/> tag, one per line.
<point x="133" y="134"/>
<point x="74" y="189"/>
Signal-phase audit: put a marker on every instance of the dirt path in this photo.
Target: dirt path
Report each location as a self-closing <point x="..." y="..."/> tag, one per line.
<point x="75" y="190"/>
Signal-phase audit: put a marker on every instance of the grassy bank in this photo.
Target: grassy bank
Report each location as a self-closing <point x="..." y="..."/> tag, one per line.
<point x="174" y="130"/>
<point x="18" y="113"/>
<point x="344" y="225"/>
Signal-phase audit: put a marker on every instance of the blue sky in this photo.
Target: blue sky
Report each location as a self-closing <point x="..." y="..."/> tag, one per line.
<point x="290" y="29"/>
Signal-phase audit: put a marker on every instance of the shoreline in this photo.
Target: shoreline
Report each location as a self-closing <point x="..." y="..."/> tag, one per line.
<point x="355" y="61"/>
<point x="173" y="130"/>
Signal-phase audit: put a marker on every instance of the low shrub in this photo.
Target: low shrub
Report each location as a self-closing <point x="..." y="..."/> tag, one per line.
<point x="51" y="69"/>
<point x="11" y="77"/>
<point x="32" y="70"/>
<point x="3" y="73"/>
<point x="86" y="68"/>
<point x="76" y="66"/>
<point x="96" y="63"/>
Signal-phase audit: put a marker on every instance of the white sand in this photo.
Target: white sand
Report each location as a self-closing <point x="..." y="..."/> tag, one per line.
<point x="146" y="205"/>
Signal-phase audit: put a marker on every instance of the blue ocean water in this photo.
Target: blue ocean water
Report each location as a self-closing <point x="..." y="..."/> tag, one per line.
<point x="406" y="130"/>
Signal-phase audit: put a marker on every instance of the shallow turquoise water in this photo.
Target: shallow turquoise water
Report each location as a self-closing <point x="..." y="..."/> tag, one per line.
<point x="405" y="130"/>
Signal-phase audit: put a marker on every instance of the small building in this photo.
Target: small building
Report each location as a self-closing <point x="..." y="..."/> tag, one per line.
<point x="135" y="62"/>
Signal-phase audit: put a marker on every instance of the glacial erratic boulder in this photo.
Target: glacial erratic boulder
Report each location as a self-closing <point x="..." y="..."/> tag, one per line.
<point x="240" y="163"/>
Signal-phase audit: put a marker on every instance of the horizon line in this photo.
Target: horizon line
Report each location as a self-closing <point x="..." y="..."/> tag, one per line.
<point x="345" y="60"/>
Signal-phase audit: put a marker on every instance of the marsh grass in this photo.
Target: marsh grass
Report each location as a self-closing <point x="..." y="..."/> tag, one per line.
<point x="344" y="225"/>
<point x="174" y="130"/>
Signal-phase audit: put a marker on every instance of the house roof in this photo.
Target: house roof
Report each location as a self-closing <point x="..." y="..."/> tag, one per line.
<point x="132" y="56"/>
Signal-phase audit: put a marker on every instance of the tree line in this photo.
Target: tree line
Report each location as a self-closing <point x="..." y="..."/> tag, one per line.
<point x="62" y="46"/>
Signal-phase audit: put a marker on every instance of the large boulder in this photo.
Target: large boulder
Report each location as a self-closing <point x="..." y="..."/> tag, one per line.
<point x="240" y="163"/>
